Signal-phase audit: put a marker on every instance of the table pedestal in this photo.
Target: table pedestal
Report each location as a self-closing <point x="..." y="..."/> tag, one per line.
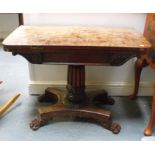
<point x="76" y="102"/>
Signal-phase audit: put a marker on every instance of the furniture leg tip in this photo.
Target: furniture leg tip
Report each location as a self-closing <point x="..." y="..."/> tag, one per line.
<point x="35" y="124"/>
<point x="115" y="128"/>
<point x="148" y="132"/>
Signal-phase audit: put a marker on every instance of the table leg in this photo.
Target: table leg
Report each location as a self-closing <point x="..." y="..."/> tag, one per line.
<point x="139" y="65"/>
<point x="75" y="102"/>
<point x="149" y="129"/>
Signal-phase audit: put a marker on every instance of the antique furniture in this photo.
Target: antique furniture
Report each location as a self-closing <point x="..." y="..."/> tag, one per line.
<point x="76" y="47"/>
<point x="143" y="61"/>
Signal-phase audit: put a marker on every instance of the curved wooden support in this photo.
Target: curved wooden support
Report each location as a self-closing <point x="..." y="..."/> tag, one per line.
<point x="102" y="116"/>
<point x="8" y="104"/>
<point x="65" y="108"/>
<point x="1" y="82"/>
<point x="60" y="110"/>
<point x="34" y="58"/>
<point x="149" y="129"/>
<point x="53" y="95"/>
<point x="139" y="65"/>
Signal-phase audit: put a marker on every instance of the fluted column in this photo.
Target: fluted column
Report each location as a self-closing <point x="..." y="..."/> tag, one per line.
<point x="76" y="83"/>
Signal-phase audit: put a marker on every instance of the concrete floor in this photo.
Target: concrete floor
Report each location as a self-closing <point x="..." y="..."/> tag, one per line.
<point x="132" y="115"/>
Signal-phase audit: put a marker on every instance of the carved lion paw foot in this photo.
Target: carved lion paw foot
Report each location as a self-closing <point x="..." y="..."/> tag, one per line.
<point x="115" y="128"/>
<point x="35" y="124"/>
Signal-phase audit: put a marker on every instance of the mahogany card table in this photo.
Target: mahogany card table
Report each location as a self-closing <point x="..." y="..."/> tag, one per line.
<point x="76" y="46"/>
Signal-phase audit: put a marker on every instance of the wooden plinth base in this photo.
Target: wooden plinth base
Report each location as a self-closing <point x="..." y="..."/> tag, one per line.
<point x="64" y="108"/>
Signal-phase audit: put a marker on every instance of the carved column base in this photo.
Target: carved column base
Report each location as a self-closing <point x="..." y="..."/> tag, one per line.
<point x="64" y="108"/>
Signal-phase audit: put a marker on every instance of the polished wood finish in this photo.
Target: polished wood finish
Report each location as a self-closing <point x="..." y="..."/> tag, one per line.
<point x="143" y="61"/>
<point x="149" y="129"/>
<point x="76" y="83"/>
<point x="76" y="102"/>
<point x="76" y="46"/>
<point x="76" y="36"/>
<point x="63" y="107"/>
<point x="139" y="65"/>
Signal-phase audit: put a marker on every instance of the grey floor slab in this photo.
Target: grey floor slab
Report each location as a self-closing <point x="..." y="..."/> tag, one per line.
<point x="14" y="125"/>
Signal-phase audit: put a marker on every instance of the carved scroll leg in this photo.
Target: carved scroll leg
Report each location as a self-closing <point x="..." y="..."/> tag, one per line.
<point x="139" y="65"/>
<point x="149" y="129"/>
<point x="105" y="121"/>
<point x="40" y="121"/>
<point x="52" y="95"/>
<point x="103" y="98"/>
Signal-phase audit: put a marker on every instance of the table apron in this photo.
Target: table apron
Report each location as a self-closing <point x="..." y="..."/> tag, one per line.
<point x="82" y="58"/>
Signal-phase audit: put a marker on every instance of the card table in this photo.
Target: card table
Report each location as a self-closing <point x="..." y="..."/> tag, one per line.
<point x="76" y="46"/>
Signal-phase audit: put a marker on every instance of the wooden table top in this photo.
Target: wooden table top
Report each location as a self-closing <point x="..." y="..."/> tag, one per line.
<point x="76" y="44"/>
<point x="76" y="36"/>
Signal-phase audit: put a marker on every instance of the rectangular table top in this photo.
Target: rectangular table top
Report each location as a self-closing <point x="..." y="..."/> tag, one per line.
<point x="76" y="36"/>
<point x="76" y="44"/>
